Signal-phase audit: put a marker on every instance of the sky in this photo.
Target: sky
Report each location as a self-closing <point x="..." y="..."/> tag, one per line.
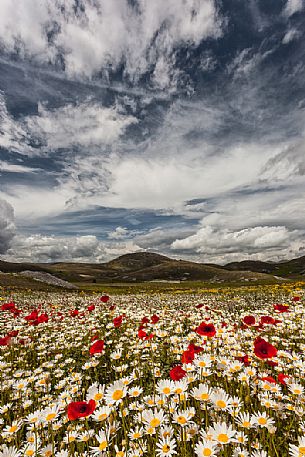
<point x="170" y="126"/>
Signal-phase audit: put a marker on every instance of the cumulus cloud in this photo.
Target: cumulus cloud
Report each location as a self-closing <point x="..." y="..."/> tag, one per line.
<point x="262" y="242"/>
<point x="46" y="248"/>
<point x="101" y="35"/>
<point x="7" y="226"/>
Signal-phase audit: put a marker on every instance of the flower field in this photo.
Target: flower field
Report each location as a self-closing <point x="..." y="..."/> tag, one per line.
<point x="205" y="374"/>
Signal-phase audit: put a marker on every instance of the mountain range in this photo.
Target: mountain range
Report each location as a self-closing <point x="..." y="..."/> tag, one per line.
<point x="147" y="266"/>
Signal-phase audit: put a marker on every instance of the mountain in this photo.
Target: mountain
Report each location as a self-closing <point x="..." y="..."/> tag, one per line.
<point x="140" y="267"/>
<point x="293" y="269"/>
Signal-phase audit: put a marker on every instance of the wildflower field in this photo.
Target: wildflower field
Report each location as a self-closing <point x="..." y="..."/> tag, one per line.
<point x="190" y="374"/>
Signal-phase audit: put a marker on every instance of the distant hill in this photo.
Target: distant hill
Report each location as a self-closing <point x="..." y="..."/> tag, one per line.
<point x="147" y="266"/>
<point x="294" y="268"/>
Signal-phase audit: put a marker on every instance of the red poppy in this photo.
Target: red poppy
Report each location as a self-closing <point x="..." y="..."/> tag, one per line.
<point x="177" y="373"/>
<point x="205" y="329"/>
<point x="244" y="359"/>
<point x="282" y="378"/>
<point x="267" y="320"/>
<point x="104" y="298"/>
<point x="91" y="308"/>
<point x="97" y="347"/>
<point x="145" y="320"/>
<point x="281" y="308"/>
<point x="32" y="316"/>
<point x="112" y="307"/>
<point x="296" y="298"/>
<point x="263" y="349"/>
<point x="249" y="320"/>
<point x="144" y="336"/>
<point x="196" y="349"/>
<point x="117" y="321"/>
<point x="269" y="379"/>
<point x="8" y="306"/>
<point x="13" y="333"/>
<point x="77" y="409"/>
<point x="5" y="341"/>
<point x="155" y="319"/>
<point x="188" y="356"/>
<point x="74" y="312"/>
<point x="199" y="306"/>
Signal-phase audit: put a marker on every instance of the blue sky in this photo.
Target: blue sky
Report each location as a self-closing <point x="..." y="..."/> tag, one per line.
<point x="170" y="126"/>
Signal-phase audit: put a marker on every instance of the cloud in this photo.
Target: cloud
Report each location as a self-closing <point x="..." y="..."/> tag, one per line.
<point x="291" y="35"/>
<point x="118" y="233"/>
<point x="86" y="124"/>
<point x="42" y="248"/>
<point x="100" y="36"/>
<point x="7" y="226"/>
<point x="293" y="6"/>
<point x="13" y="136"/>
<point x="261" y="242"/>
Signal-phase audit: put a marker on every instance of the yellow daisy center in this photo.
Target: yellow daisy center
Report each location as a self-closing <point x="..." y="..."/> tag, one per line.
<point x="117" y="394"/>
<point x="181" y="420"/>
<point x="155" y="422"/>
<point x="166" y="448"/>
<point x="221" y="404"/>
<point x="223" y="438"/>
<point x="166" y="390"/>
<point x="50" y="416"/>
<point x="262" y="421"/>
<point x="102" y="445"/>
<point x="206" y="452"/>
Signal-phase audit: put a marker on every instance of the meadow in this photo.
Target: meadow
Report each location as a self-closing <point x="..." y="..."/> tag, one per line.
<point x="203" y="372"/>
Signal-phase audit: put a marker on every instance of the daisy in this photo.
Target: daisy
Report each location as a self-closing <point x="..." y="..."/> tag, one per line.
<point x="153" y="418"/>
<point x="222" y="433"/>
<point x="115" y="393"/>
<point x="262" y="420"/>
<point x="299" y="450"/>
<point x="10" y="452"/>
<point x="206" y="449"/>
<point x="166" y="447"/>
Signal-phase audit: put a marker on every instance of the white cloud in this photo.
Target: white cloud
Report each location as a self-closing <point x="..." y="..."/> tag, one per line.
<point x="105" y="33"/>
<point x="118" y="233"/>
<point x="291" y="35"/>
<point x="261" y="242"/>
<point x="13" y="136"/>
<point x="87" y="124"/>
<point x="45" y="248"/>
<point x="7" y="225"/>
<point x="293" y="6"/>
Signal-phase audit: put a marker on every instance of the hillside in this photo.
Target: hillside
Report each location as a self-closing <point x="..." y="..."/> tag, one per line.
<point x="293" y="269"/>
<point x="142" y="267"/>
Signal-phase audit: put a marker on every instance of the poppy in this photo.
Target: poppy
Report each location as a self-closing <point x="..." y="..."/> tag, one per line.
<point x="263" y="349"/>
<point x="74" y="312"/>
<point x="205" y="329"/>
<point x="144" y="336"/>
<point x="91" y="308"/>
<point x="249" y="320"/>
<point x="104" y="298"/>
<point x="244" y="359"/>
<point x="145" y="320"/>
<point x="78" y="409"/>
<point x="177" y="373"/>
<point x="155" y="319"/>
<point x="196" y="349"/>
<point x="267" y="320"/>
<point x="97" y="347"/>
<point x="117" y="321"/>
<point x="188" y="356"/>
<point x="281" y="308"/>
<point x="282" y="378"/>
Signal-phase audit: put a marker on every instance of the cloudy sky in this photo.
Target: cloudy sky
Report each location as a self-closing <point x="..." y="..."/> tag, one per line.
<point x="173" y="126"/>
